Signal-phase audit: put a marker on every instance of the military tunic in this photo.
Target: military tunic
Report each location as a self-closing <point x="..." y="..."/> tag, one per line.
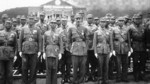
<point x="29" y="45"/>
<point x="122" y="45"/>
<point x="52" y="47"/>
<point x="139" y="55"/>
<point x="103" y="45"/>
<point x="78" y="41"/>
<point x="8" y="48"/>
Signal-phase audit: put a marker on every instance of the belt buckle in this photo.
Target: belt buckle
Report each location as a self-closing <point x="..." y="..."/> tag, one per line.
<point x="30" y="39"/>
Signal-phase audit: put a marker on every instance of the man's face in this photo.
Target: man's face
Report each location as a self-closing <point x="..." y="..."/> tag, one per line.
<point x="121" y="22"/>
<point x="78" y="20"/>
<point x="137" y="20"/>
<point x="42" y="17"/>
<point x="4" y="19"/>
<point x="112" y="21"/>
<point x="72" y="18"/>
<point x="23" y="21"/>
<point x="103" y="23"/>
<point x="90" y="20"/>
<point x="8" y="25"/>
<point x="31" y="21"/>
<point x="96" y="21"/>
<point x="58" y="22"/>
<point x="64" y="22"/>
<point x="53" y="25"/>
<point x="14" y="23"/>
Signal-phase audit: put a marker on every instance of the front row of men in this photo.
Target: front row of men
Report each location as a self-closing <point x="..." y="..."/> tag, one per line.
<point x="74" y="44"/>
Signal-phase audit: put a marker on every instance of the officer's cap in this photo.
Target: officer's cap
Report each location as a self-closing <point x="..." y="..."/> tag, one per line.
<point x="112" y="17"/>
<point x="78" y="16"/>
<point x="58" y="19"/>
<point x="14" y="19"/>
<point x="8" y="20"/>
<point x="30" y="17"/>
<point x="23" y="17"/>
<point x="96" y="18"/>
<point x="89" y="16"/>
<point x="81" y="12"/>
<point x="108" y="15"/>
<point x="120" y="19"/>
<point x="53" y="21"/>
<point x="136" y="16"/>
<point x="18" y="16"/>
<point x="42" y="13"/>
<point x="4" y="16"/>
<point x="64" y="19"/>
<point x="103" y="19"/>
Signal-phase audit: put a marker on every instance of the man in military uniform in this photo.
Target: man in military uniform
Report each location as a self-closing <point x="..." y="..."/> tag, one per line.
<point x="138" y="45"/>
<point x="103" y="46"/>
<point x="52" y="49"/>
<point x="122" y="46"/>
<point x="8" y="47"/>
<point x="65" y="62"/>
<point x="14" y="24"/>
<point x="43" y="26"/>
<point x="91" y="59"/>
<point x="18" y="62"/>
<point x="78" y="36"/>
<point x="96" y="21"/>
<point x="18" y="19"/>
<point x="4" y="18"/>
<point x="29" y="46"/>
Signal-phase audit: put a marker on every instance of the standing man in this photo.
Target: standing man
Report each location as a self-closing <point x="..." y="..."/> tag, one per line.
<point x="4" y="18"/>
<point x="138" y="45"/>
<point x="52" y="50"/>
<point x="8" y="47"/>
<point x="78" y="47"/>
<point x="18" y="62"/>
<point x="103" y="46"/>
<point x="91" y="59"/>
<point x="65" y="62"/>
<point x="29" y="50"/>
<point x="43" y="26"/>
<point x="122" y="46"/>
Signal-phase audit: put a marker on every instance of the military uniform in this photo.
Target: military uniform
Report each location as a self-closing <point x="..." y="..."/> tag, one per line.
<point x="138" y="45"/>
<point x="52" y="44"/>
<point x="121" y="40"/>
<point x="43" y="28"/>
<point x="8" y="47"/>
<point x="78" y="48"/>
<point x="29" y="45"/>
<point x="91" y="59"/>
<point x="103" y="45"/>
<point x="65" y="62"/>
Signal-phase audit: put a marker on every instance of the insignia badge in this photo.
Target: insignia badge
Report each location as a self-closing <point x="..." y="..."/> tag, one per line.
<point x="34" y="31"/>
<point x="30" y="39"/>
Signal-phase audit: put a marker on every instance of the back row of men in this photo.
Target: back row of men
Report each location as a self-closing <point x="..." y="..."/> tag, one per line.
<point x="78" y="43"/>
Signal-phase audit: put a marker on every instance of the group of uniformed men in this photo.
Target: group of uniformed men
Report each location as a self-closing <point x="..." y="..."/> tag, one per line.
<point x="91" y="46"/>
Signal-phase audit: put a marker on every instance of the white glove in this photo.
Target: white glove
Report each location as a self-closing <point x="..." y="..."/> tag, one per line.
<point x="15" y="58"/>
<point x="147" y="50"/>
<point x="129" y="53"/>
<point x="110" y="54"/>
<point x="59" y="56"/>
<point x="20" y="53"/>
<point x="44" y="55"/>
<point x="114" y="53"/>
<point x="39" y="53"/>
<point x="131" y="50"/>
<point x="96" y="55"/>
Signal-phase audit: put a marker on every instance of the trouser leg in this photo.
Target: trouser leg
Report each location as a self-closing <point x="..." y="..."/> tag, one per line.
<point x="75" y="69"/>
<point x="33" y="68"/>
<point x="2" y="72"/>
<point x="25" y="61"/>
<point x="82" y="66"/>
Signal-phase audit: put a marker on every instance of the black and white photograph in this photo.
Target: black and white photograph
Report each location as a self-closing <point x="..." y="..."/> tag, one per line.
<point x="74" y="41"/>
